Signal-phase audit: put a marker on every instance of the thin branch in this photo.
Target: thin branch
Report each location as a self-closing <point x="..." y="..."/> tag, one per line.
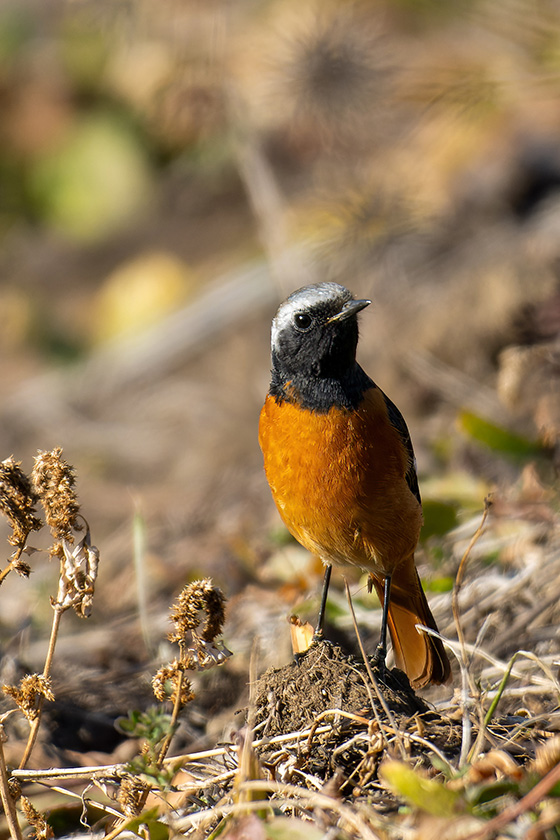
<point x="5" y="795"/>
<point x="12" y="562"/>
<point x="110" y="772"/>
<point x="36" y="722"/>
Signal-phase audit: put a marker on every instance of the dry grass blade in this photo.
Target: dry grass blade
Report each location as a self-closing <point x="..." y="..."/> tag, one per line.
<point x="460" y="576"/>
<point x="548" y="683"/>
<point x="380" y="697"/>
<point x="468" y="689"/>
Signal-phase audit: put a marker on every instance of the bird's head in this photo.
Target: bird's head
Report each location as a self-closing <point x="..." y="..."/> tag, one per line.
<point x="315" y="332"/>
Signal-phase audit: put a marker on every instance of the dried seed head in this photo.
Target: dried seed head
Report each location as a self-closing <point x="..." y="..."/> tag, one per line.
<point x="53" y="481"/>
<point x="166" y="682"/>
<point x="31" y="688"/>
<point x="14" y="788"/>
<point x="37" y="821"/>
<point x="334" y="73"/>
<point x="17" y="503"/>
<point x="547" y="755"/>
<point x="198" y="613"/>
<point x="131" y="795"/>
<point x="78" y="573"/>
<point x="22" y="568"/>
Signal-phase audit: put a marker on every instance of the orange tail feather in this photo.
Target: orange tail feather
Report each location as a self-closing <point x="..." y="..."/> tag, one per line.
<point x="420" y="656"/>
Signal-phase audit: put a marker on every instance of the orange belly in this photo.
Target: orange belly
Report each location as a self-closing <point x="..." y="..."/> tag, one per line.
<point x="338" y="480"/>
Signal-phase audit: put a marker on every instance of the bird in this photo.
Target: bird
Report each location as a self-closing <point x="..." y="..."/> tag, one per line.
<point x="341" y="468"/>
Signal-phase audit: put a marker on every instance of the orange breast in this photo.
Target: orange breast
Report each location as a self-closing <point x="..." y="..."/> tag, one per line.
<point x="338" y="480"/>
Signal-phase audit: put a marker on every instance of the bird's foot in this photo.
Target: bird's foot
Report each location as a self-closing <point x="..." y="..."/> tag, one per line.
<point x="379" y="658"/>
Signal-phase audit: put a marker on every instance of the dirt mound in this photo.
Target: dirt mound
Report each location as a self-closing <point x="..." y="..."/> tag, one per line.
<point x="343" y="717"/>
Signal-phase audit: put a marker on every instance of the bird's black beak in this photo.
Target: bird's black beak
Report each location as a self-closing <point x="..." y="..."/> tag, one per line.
<point x="349" y="309"/>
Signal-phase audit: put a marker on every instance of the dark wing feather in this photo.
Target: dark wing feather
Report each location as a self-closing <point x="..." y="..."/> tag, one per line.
<point x="398" y="422"/>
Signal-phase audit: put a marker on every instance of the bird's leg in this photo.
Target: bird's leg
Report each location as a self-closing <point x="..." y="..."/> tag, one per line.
<point x="381" y="650"/>
<point x="319" y="634"/>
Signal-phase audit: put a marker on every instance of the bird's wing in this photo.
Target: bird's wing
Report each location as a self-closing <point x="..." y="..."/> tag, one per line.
<point x="398" y="422"/>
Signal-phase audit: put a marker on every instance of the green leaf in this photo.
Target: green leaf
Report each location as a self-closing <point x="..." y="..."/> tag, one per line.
<point x="156" y="830"/>
<point x="128" y="725"/>
<point x="443" y="583"/>
<point x="426" y="794"/>
<point x="497" y="438"/>
<point x="95" y="182"/>
<point x="483" y="797"/>
<point x="439" y="518"/>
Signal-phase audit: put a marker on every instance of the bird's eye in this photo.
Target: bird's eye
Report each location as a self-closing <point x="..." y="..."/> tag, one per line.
<point x="302" y="321"/>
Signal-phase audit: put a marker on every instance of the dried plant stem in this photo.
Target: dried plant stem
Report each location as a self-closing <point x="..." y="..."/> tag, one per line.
<point x="119" y="828"/>
<point x="6" y="797"/>
<point x="36" y="722"/>
<point x="468" y="689"/>
<point x="459" y="578"/>
<point x="111" y="772"/>
<point x="390" y="718"/>
<point x="177" y="706"/>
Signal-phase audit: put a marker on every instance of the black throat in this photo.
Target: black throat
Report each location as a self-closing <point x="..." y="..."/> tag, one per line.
<point x="320" y="393"/>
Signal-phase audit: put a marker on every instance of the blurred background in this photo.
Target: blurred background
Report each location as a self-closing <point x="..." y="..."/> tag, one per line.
<point x="170" y="171"/>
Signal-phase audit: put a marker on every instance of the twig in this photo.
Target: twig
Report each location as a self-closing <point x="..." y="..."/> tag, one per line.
<point x="177" y="706"/>
<point x="245" y="753"/>
<point x="113" y="771"/>
<point x="36" y="722"/>
<point x="104" y="771"/>
<point x="332" y="713"/>
<point x="11" y="563"/>
<point x="126" y="822"/>
<point x="201" y="784"/>
<point x="7" y="799"/>
<point x="432" y="747"/>
<point x="81" y="796"/>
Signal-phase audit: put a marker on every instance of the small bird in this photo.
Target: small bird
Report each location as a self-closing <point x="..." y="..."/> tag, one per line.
<point x="340" y="465"/>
